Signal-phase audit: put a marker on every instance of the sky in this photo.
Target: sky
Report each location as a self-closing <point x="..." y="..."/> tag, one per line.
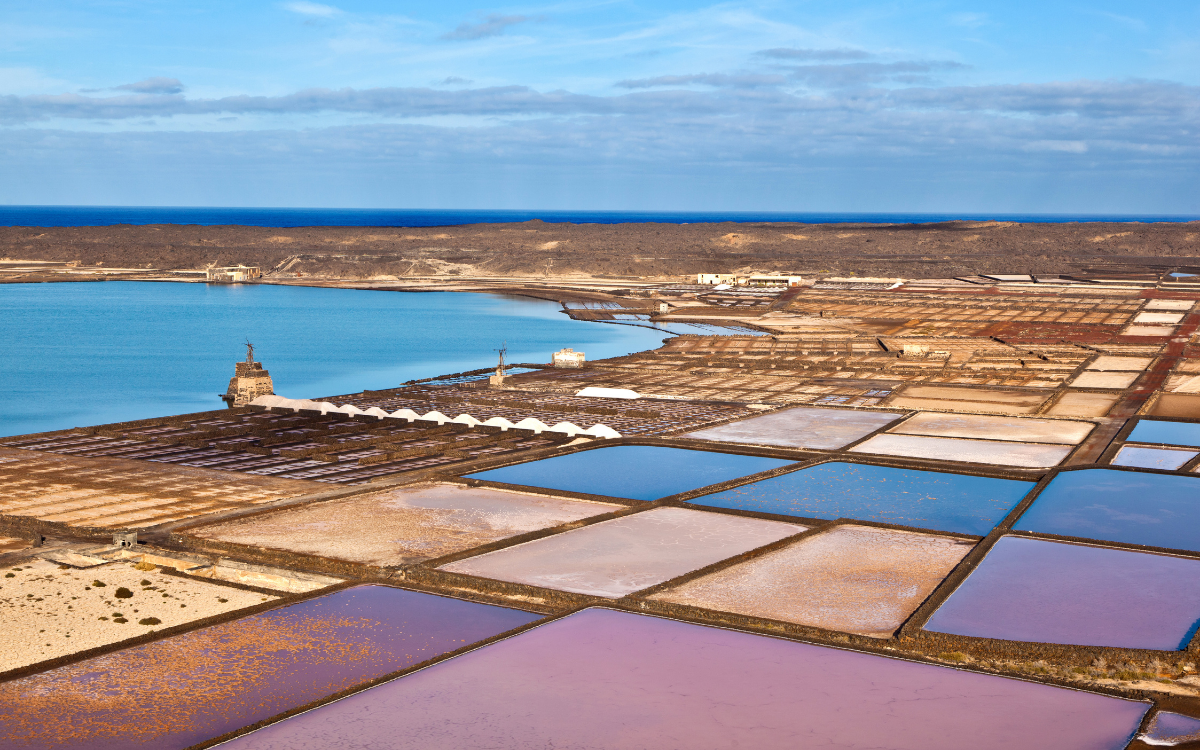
<point x="1015" y="106"/>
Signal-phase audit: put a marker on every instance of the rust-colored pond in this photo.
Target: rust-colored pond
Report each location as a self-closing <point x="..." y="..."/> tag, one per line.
<point x="196" y="686"/>
<point x="607" y="680"/>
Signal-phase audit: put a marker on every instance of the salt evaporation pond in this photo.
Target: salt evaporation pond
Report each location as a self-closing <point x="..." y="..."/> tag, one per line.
<point x="1169" y="729"/>
<point x="1166" y="433"/>
<point x="994" y="452"/>
<point x="924" y="499"/>
<point x="404" y="524"/>
<point x="854" y="579"/>
<point x="193" y="687"/>
<point x="600" y="679"/>
<point x="800" y="427"/>
<point x="637" y="472"/>
<point x="627" y="554"/>
<point x="1158" y="510"/>
<point x="1142" y="457"/>
<point x="1052" y="592"/>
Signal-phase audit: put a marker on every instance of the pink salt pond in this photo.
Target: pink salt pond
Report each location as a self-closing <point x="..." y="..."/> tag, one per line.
<point x="180" y="691"/>
<point x="1051" y="592"/>
<point x="612" y="680"/>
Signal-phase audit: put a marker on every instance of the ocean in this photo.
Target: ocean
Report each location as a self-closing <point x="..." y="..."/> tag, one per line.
<point x="87" y="354"/>
<point x="82" y="216"/>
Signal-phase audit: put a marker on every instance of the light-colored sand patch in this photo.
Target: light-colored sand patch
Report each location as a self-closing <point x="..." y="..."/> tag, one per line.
<point x="50" y="612"/>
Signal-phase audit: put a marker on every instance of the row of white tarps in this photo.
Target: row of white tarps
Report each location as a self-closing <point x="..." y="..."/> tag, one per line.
<point x="529" y="423"/>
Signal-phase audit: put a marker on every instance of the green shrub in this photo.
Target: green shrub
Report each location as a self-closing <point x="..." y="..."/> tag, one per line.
<point x="150" y="621"/>
<point x="99" y="584"/>
<point x="124" y="593"/>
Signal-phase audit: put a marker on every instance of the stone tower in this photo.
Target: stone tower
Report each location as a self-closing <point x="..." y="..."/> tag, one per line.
<point x="249" y="381"/>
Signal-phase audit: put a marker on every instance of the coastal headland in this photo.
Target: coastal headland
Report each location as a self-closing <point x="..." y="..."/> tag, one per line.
<point x="539" y="251"/>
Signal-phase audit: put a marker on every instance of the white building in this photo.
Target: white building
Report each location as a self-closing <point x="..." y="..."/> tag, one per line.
<point x="567" y="358"/>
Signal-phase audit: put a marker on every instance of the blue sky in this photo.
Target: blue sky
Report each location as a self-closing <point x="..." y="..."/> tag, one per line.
<point x="800" y="106"/>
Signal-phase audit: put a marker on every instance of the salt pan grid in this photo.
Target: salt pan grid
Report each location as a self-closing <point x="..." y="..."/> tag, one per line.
<point x="617" y="557"/>
<point x="905" y="497"/>
<point x="179" y="691"/>
<point x="637" y="472"/>
<point x="801" y="427"/>
<point x="1052" y="592"/>
<point x="856" y="579"/>
<point x="123" y="494"/>
<point x="1166" y="433"/>
<point x="404" y="525"/>
<point x="1158" y="510"/>
<point x="615" y="680"/>
<point x="993" y="452"/>
<point x="1143" y="457"/>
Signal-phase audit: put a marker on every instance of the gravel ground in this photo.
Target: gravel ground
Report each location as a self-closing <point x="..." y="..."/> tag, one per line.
<point x="49" y="611"/>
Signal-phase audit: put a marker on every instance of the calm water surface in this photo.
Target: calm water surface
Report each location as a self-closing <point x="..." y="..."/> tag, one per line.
<point x="93" y="353"/>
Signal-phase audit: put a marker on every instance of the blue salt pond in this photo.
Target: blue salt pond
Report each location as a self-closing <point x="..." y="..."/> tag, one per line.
<point x="1166" y="433"/>
<point x="1053" y="592"/>
<point x="638" y="472"/>
<point x="1158" y="510"/>
<point x="924" y="499"/>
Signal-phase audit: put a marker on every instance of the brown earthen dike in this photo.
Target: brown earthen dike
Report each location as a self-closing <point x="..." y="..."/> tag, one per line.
<point x="652" y="251"/>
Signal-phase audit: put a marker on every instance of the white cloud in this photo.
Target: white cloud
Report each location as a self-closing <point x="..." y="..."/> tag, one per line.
<point x="305" y="8"/>
<point x="970" y="20"/>
<point x="1069" y="147"/>
<point x="493" y="25"/>
<point x="156" y="85"/>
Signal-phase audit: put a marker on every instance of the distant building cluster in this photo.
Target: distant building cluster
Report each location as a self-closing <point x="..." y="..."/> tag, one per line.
<point x="715" y="279"/>
<point x="233" y="274"/>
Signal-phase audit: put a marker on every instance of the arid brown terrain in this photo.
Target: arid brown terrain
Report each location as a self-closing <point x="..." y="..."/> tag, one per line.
<point x="657" y="251"/>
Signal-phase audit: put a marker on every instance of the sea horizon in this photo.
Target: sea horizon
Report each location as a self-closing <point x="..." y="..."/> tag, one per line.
<point x="46" y="216"/>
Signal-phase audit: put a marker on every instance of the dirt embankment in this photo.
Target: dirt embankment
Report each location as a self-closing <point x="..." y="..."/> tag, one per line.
<point x="628" y="250"/>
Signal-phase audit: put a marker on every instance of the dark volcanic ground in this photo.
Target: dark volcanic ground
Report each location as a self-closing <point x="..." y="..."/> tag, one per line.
<point x="637" y="250"/>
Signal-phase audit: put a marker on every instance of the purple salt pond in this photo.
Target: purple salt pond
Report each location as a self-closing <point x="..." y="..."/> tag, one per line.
<point x="612" y="680"/>
<point x="193" y="687"/>
<point x="1167" y="729"/>
<point x="1050" y="592"/>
